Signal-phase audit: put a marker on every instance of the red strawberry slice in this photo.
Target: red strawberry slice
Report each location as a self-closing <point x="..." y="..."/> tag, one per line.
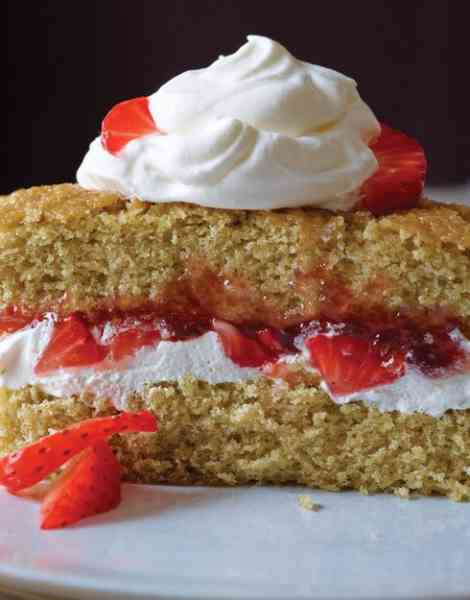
<point x="12" y="319"/>
<point x="92" y="485"/>
<point x="36" y="461"/>
<point x="398" y="182"/>
<point x="282" y="370"/>
<point x="126" y="121"/>
<point x="271" y="339"/>
<point x="349" y="364"/>
<point x="244" y="351"/>
<point x="71" y="345"/>
<point x="128" y="342"/>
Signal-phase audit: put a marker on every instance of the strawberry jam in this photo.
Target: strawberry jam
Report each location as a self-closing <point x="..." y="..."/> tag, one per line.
<point x="350" y="355"/>
<point x="13" y="318"/>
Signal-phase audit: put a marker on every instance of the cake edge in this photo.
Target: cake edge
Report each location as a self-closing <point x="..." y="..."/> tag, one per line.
<point x="263" y="432"/>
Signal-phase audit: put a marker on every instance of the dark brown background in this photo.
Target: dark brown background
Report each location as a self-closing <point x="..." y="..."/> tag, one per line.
<point x="68" y="61"/>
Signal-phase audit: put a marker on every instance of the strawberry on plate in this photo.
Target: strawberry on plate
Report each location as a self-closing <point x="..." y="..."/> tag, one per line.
<point x="244" y="351"/>
<point x="126" y="121"/>
<point x="89" y="486"/>
<point x="349" y="363"/>
<point x="34" y="462"/>
<point x="90" y="483"/>
<point x="398" y="182"/>
<point x="71" y="345"/>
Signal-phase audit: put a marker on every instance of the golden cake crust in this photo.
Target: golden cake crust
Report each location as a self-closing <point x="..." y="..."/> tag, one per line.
<point x="62" y="247"/>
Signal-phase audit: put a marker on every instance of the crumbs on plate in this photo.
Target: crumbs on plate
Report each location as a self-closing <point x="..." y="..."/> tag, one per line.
<point x="307" y="503"/>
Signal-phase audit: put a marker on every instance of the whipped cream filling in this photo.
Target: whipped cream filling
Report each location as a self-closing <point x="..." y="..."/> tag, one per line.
<point x="202" y="357"/>
<point x="416" y="393"/>
<point x="205" y="359"/>
<point x="255" y="130"/>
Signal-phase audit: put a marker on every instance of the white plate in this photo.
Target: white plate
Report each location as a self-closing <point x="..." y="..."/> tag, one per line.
<point x="188" y="543"/>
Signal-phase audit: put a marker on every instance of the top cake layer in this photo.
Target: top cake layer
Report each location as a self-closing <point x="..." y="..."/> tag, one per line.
<point x="63" y="248"/>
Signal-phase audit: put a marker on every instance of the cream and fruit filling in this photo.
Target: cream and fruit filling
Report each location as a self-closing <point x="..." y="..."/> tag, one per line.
<point x="403" y="367"/>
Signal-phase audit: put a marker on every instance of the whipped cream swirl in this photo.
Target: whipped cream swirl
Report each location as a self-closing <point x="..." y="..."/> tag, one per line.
<point x="255" y="130"/>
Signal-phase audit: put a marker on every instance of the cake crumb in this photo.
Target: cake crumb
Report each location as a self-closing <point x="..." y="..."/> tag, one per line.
<point x="307" y="503"/>
<point x="402" y="492"/>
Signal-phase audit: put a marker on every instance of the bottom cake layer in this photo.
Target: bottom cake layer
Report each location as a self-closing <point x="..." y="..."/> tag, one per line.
<point x="262" y="431"/>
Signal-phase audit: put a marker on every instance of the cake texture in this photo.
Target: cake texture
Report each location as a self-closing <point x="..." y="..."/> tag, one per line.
<point x="264" y="432"/>
<point x="64" y="249"/>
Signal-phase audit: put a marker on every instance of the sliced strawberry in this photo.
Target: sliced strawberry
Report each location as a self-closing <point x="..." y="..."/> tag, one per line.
<point x="348" y="363"/>
<point x="271" y="339"/>
<point x="126" y="121"/>
<point x="92" y="485"/>
<point x="128" y="342"/>
<point x="398" y="182"/>
<point x="277" y="370"/>
<point x="12" y="319"/>
<point x="244" y="351"/>
<point x="71" y="345"/>
<point x="282" y="370"/>
<point x="36" y="461"/>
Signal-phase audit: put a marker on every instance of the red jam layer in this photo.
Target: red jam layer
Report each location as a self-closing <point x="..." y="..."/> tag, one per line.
<point x="349" y="355"/>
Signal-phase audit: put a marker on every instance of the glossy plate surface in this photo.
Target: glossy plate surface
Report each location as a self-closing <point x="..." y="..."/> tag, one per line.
<point x="202" y="543"/>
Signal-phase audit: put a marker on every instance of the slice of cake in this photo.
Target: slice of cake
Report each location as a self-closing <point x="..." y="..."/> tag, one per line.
<point x="296" y="346"/>
<point x="253" y="263"/>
